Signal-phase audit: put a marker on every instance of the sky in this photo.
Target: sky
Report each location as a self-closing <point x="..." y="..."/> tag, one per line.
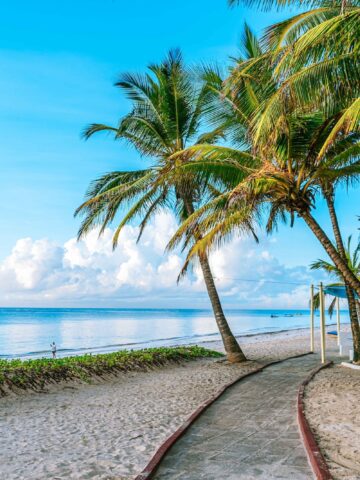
<point x="59" y="61"/>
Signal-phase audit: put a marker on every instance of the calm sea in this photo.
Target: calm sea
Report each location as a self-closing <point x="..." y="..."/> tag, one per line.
<point x="27" y="332"/>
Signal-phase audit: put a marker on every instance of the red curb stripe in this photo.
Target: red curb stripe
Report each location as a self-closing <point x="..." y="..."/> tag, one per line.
<point x="316" y="458"/>
<point x="154" y="463"/>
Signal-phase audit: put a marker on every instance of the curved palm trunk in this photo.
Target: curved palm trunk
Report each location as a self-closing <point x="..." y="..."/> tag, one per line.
<point x="232" y="348"/>
<point x="354" y="319"/>
<point x="342" y="266"/>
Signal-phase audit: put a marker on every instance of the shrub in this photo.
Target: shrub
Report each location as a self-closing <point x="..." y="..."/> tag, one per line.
<point x="35" y="374"/>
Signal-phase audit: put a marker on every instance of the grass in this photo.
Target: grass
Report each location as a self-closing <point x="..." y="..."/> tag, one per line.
<point x="35" y="374"/>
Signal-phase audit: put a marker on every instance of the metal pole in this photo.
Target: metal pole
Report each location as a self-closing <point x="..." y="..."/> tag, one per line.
<point x="338" y="320"/>
<point x="312" y="318"/>
<point x="322" y="322"/>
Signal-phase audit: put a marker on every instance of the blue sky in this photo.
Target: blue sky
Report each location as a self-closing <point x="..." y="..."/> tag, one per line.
<point x="59" y="62"/>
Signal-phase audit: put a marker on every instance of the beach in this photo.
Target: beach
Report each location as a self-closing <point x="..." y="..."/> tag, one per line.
<point x="110" y="428"/>
<point x="178" y="177"/>
<point x="332" y="403"/>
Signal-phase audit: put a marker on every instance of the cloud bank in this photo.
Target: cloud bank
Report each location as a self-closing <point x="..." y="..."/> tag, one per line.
<point x="90" y="274"/>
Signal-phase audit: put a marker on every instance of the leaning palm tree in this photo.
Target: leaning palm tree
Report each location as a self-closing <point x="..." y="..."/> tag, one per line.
<point x="286" y="170"/>
<point x="353" y="258"/>
<point x="315" y="60"/>
<point x="281" y="180"/>
<point x="166" y="117"/>
<point x="316" y="63"/>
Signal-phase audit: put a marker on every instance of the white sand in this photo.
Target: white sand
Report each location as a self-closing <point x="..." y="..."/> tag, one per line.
<point x="332" y="408"/>
<point x="110" y="429"/>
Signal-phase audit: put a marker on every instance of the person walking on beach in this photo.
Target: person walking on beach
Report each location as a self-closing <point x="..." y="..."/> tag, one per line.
<point x="53" y="349"/>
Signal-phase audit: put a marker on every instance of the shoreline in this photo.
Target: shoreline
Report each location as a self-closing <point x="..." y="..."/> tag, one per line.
<point x="187" y="341"/>
<point x="274" y="332"/>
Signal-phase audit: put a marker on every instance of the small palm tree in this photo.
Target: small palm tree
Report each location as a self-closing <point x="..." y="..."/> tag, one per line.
<point x="166" y="117"/>
<point x="353" y="258"/>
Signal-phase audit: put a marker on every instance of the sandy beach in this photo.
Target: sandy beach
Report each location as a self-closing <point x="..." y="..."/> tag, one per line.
<point x="110" y="429"/>
<point x="332" y="404"/>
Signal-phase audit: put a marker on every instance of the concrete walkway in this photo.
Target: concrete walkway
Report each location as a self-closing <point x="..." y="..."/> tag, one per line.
<point x="250" y="433"/>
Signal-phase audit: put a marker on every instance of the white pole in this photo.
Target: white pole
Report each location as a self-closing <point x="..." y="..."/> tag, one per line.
<point x="322" y="322"/>
<point x="312" y="318"/>
<point x="338" y="320"/>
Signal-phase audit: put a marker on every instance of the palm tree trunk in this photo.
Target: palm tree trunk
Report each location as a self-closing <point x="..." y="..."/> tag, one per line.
<point x="232" y="348"/>
<point x="354" y="319"/>
<point x="332" y="252"/>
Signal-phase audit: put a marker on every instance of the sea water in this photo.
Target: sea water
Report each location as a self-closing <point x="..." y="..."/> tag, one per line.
<point x="28" y="332"/>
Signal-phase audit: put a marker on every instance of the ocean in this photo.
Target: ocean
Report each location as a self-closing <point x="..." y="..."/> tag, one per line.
<point x="28" y="332"/>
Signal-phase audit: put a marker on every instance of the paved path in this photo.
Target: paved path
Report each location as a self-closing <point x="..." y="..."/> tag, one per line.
<point x="250" y="433"/>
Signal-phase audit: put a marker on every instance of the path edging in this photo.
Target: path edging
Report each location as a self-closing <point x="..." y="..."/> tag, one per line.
<point x="154" y="462"/>
<point x="316" y="458"/>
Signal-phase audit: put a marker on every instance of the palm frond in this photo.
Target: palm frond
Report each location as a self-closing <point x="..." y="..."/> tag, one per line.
<point x="348" y="122"/>
<point x="93" y="128"/>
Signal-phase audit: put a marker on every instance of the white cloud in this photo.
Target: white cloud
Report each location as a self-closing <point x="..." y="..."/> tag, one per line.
<point x="90" y="273"/>
<point x="32" y="263"/>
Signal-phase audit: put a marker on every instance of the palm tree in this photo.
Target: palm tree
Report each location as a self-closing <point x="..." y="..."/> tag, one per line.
<point x="285" y="170"/>
<point x="284" y="179"/>
<point x="166" y="117"/>
<point x="286" y="184"/>
<point x="353" y="258"/>
<point x="316" y="54"/>
<point x="316" y="62"/>
<point x="327" y="183"/>
<point x="315" y="59"/>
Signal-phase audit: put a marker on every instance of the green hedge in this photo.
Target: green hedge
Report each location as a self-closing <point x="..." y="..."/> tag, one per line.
<point x="35" y="374"/>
